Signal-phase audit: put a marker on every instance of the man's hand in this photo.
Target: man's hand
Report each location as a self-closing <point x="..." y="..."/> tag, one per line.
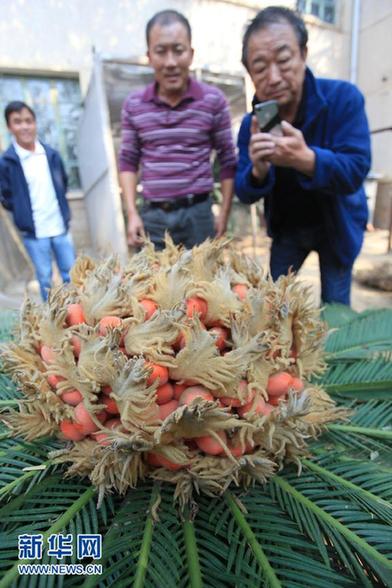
<point x="136" y="233"/>
<point x="261" y="149"/>
<point x="227" y="189"/>
<point x="290" y="150"/>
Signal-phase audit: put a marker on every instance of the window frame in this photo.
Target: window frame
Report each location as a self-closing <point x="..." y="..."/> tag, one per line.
<point x="306" y="11"/>
<point x="50" y="76"/>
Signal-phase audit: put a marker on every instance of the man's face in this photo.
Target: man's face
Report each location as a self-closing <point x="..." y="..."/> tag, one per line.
<point x="170" y="54"/>
<point x="276" y="64"/>
<point x="23" y="127"/>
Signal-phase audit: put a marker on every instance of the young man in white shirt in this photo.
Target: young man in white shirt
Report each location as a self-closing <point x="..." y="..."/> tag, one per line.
<point x="33" y="185"/>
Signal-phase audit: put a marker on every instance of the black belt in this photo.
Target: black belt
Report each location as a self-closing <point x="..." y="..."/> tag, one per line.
<point x="176" y="203"/>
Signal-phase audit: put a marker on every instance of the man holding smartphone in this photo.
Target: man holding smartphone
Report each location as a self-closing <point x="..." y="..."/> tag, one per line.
<point x="310" y="177"/>
<point x="169" y="130"/>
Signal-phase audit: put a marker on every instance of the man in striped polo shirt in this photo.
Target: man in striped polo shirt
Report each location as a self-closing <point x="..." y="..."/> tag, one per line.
<point x="169" y="130"/>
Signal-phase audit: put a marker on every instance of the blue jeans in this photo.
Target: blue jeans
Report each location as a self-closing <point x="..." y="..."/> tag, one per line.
<point x="40" y="251"/>
<point x="291" y="248"/>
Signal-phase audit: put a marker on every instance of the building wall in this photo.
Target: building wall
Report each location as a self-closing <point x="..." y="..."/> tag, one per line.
<point x="330" y="45"/>
<point x="59" y="36"/>
<point x="375" y="78"/>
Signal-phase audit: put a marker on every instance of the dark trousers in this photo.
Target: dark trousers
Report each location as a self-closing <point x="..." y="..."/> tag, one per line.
<point x="187" y="226"/>
<point x="291" y="248"/>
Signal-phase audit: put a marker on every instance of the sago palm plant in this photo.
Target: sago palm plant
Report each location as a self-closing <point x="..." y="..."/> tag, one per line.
<point x="325" y="522"/>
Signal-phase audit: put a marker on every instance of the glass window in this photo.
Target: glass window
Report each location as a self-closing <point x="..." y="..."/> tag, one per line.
<point x="57" y="105"/>
<point x="315" y="9"/>
<point x="324" y="9"/>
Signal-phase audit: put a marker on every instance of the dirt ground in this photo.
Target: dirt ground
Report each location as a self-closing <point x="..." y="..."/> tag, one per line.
<point x="374" y="253"/>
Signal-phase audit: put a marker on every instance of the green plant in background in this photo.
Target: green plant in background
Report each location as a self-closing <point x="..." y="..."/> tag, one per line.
<point x="331" y="526"/>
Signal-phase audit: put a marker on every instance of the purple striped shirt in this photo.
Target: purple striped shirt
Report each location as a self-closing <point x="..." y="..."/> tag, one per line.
<point x="173" y="145"/>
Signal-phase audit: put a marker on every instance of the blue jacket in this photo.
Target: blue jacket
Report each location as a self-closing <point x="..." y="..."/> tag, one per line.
<point x="14" y="191"/>
<point x="335" y="127"/>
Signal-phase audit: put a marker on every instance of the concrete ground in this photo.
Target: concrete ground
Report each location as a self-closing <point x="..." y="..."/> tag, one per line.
<point x="374" y="252"/>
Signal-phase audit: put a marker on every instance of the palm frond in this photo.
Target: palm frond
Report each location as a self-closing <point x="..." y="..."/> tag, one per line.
<point x="361" y="337"/>
<point x="369" y="475"/>
<point x="62" y="507"/>
<point x="166" y="552"/>
<point x="367" y="431"/>
<point x="357" y="544"/>
<point x="361" y="379"/>
<point x="225" y="559"/>
<point x="374" y="413"/>
<point x="329" y="527"/>
<point x="135" y="546"/>
<point x="372" y="502"/>
<point x="24" y="464"/>
<point x="8" y="322"/>
<point x="53" y="506"/>
<point x="8" y="392"/>
<point x="292" y="555"/>
<point x="355" y="444"/>
<point x="337" y="315"/>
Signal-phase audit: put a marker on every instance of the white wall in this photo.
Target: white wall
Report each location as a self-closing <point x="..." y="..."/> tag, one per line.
<point x="375" y="77"/>
<point x="329" y="45"/>
<point x="59" y="34"/>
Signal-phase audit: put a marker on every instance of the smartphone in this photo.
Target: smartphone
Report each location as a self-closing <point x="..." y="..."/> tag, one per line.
<point x="267" y="114"/>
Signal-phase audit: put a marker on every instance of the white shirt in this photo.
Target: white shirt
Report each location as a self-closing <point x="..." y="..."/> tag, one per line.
<point x="48" y="221"/>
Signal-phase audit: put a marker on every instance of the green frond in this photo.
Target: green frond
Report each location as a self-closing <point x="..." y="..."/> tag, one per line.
<point x="367" y="333"/>
<point x="329" y="527"/>
<point x="337" y="315"/>
<point x="368" y="500"/>
<point x="24" y="464"/>
<point x="373" y="414"/>
<point x="136" y="545"/>
<point x="225" y="555"/>
<point x="362" y="380"/>
<point x="8" y="391"/>
<point x="62" y="508"/>
<point x="8" y="322"/>
<point x="54" y="505"/>
<point x="361" y="546"/>
<point x="266" y="548"/>
<point x="295" y="558"/>
<point x="194" y="575"/>
<point x="355" y="445"/>
<point x="367" y="431"/>
<point x="268" y="573"/>
<point x="369" y="475"/>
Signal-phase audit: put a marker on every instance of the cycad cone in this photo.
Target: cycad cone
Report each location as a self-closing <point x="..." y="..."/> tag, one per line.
<point x="239" y="429"/>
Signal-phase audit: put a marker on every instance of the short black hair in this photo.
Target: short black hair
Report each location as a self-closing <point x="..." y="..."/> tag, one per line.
<point x="167" y="17"/>
<point x="16" y="106"/>
<point x="273" y="15"/>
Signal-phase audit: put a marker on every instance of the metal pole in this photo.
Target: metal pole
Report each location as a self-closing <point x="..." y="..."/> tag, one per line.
<point x="355" y="24"/>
